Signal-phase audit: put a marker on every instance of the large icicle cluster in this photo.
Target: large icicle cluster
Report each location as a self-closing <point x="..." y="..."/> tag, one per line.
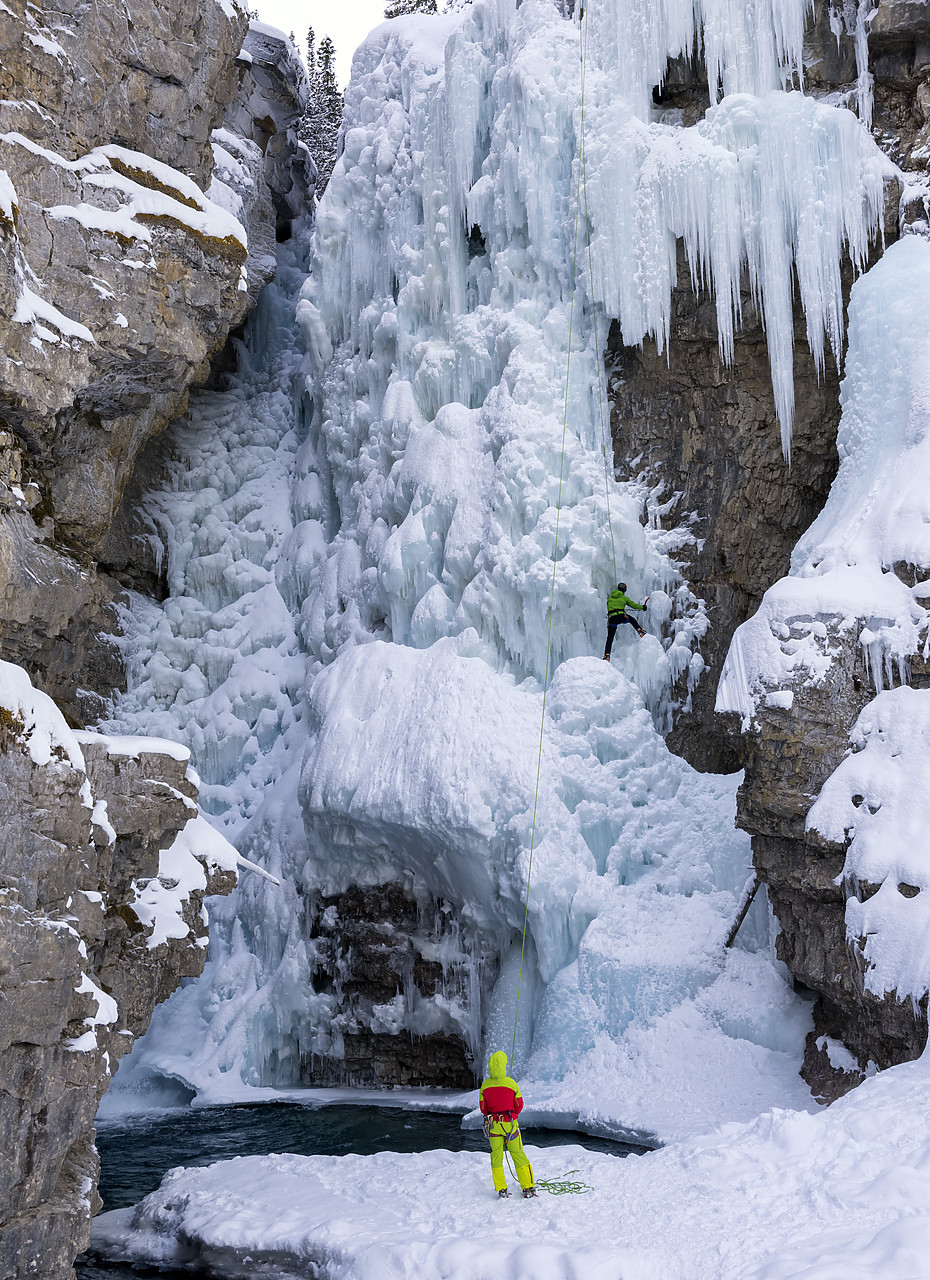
<point x="778" y="186"/>
<point x="448" y="460"/>
<point x="770" y="183"/>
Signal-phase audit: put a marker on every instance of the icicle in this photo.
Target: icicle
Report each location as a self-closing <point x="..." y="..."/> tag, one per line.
<point x="864" y="77"/>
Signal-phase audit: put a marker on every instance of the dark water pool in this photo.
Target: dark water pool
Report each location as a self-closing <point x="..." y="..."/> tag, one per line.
<point x="135" y="1154"/>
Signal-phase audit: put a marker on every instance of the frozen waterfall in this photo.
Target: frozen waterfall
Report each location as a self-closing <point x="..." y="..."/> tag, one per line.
<point x="360" y="545"/>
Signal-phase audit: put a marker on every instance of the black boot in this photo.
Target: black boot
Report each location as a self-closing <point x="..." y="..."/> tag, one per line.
<point x="503" y="1195"/>
<point x="529" y="1193"/>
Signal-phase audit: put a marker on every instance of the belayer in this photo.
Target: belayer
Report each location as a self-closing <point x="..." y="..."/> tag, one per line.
<point x="501" y="1102"/>
<point x="617" y="604"/>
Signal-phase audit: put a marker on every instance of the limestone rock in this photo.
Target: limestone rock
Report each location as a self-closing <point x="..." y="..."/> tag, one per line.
<point x="788" y="755"/>
<point x="134" y="148"/>
<point x="389" y="966"/>
<point x="708" y="432"/>
<point x="81" y="835"/>
<point x="125" y="278"/>
<point x="260" y="129"/>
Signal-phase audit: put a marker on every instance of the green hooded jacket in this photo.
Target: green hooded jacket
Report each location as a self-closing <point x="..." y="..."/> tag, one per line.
<point x="617" y="602"/>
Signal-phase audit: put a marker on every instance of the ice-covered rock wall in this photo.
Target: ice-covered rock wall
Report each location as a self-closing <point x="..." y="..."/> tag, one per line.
<point x="450" y="471"/>
<point x="132" y="240"/>
<point x="812" y="675"/>
<point x="472" y="162"/>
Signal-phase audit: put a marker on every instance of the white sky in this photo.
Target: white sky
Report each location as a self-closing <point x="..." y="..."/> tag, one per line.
<point x="346" y="22"/>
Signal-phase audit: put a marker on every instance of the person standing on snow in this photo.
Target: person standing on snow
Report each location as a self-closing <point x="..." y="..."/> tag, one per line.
<point x="501" y="1102"/>
<point x="617" y="605"/>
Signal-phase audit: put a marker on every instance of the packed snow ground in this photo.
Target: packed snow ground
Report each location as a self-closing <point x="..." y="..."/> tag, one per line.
<point x="841" y="1195"/>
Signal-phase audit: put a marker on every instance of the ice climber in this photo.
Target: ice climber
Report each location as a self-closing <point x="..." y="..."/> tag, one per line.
<point x="501" y="1102"/>
<point x="617" y="605"/>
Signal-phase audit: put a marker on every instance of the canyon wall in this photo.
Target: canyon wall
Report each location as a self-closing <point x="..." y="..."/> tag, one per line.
<point x="137" y="226"/>
<point x="707" y="432"/>
<point x="149" y="161"/>
<point x="105" y="865"/>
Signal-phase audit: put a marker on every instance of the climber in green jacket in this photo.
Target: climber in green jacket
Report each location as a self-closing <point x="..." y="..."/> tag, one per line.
<point x="501" y="1102"/>
<point x="617" y="604"/>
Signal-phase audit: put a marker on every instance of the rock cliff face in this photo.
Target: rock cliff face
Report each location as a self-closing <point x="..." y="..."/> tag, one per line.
<point x="148" y="162"/>
<point x="788" y="758"/>
<point x="394" y="973"/>
<point x="104" y="869"/>
<point x="709" y="434"/>
<point x="124" y="265"/>
<point x="707" y="431"/>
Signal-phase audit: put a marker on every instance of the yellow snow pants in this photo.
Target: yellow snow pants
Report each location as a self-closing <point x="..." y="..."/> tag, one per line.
<point x="503" y="1134"/>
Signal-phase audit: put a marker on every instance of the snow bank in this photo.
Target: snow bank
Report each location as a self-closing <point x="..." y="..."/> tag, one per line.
<point x="134" y="746"/>
<point x="42" y="725"/>
<point x="148" y="187"/>
<point x="879" y="800"/>
<point x="31" y="309"/>
<point x="839" y="1193"/>
<point x="9" y="204"/>
<point x="183" y="868"/>
<point x="876" y="517"/>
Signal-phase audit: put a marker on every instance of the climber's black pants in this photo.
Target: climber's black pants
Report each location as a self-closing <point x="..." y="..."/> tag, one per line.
<point x="612" y="625"/>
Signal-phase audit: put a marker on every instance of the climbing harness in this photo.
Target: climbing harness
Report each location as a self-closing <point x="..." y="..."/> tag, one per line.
<point x="501" y="1120"/>
<point x="582" y="186"/>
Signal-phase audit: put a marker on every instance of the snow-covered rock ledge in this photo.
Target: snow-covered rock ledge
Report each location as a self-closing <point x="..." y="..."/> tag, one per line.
<point x="104" y="865"/>
<point x="791" y="1195"/>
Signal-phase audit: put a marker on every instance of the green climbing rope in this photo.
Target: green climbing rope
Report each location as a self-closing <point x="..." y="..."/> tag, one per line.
<point x="597" y="345"/>
<point x="564" y="1186"/>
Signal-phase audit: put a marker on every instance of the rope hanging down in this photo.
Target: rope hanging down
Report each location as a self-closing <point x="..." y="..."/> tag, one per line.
<point x="597" y="346"/>
<point x="581" y="188"/>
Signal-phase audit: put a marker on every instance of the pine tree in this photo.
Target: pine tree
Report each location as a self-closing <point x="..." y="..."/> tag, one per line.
<point x="397" y="8"/>
<point x="322" y="120"/>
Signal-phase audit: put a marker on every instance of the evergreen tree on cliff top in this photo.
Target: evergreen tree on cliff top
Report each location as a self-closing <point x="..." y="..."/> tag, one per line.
<point x="397" y="8"/>
<point x="319" y="128"/>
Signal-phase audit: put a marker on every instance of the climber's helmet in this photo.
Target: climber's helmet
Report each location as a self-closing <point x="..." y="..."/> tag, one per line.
<point x="621" y="586"/>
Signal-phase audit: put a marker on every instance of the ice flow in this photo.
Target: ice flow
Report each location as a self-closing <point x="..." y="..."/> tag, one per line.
<point x="390" y="530"/>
